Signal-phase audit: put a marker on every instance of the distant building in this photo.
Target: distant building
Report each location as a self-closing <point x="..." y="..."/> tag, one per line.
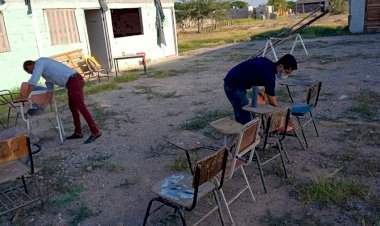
<point x="263" y="12"/>
<point x="307" y="6"/>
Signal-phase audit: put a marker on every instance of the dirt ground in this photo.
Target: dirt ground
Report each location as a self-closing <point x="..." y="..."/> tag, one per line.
<point x="108" y="182"/>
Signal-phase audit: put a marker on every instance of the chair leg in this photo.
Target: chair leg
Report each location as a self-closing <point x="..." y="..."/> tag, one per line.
<point x="299" y="139"/>
<point x="315" y="127"/>
<point x="303" y="133"/>
<point x="24" y="184"/>
<point x="247" y="182"/>
<point x="283" y="163"/>
<point x="39" y="192"/>
<point x="219" y="207"/>
<point x="148" y="210"/>
<point x="60" y="127"/>
<point x="182" y="217"/>
<point x="261" y="172"/>
<point x="281" y="147"/>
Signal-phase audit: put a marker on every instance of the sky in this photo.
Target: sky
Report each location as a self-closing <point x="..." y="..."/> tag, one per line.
<point x="256" y="3"/>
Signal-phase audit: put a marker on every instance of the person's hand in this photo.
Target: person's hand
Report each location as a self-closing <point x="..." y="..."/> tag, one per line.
<point x="249" y="101"/>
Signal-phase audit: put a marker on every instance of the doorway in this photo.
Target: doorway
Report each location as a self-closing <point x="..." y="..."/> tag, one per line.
<point x="97" y="36"/>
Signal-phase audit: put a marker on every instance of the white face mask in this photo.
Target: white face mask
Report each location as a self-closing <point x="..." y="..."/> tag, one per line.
<point x="281" y="75"/>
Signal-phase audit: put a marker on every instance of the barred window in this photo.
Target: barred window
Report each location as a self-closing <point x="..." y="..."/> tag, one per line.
<point x="126" y="22"/>
<point x="63" y="27"/>
<point x="4" y="44"/>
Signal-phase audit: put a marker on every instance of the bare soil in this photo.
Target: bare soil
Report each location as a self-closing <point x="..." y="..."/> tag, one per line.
<point x="108" y="182"/>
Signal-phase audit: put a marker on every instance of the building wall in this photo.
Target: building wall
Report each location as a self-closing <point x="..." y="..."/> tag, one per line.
<point x="29" y="37"/>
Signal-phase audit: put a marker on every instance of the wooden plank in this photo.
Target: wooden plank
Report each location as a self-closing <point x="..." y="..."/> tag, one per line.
<point x="13" y="148"/>
<point x="12" y="170"/>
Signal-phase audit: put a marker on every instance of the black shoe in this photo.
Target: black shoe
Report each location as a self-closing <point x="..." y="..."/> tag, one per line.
<point x="74" y="136"/>
<point x="93" y="137"/>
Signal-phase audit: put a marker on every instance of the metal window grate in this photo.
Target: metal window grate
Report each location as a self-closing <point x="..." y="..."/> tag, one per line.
<point x="4" y="44"/>
<point x="63" y="27"/>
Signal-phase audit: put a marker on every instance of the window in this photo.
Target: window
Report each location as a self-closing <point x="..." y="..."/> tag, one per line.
<point x="62" y="26"/>
<point x="4" y="44"/>
<point x="126" y="22"/>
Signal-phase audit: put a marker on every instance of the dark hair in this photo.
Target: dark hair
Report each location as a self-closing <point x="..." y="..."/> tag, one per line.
<point x="288" y="61"/>
<point x="27" y="63"/>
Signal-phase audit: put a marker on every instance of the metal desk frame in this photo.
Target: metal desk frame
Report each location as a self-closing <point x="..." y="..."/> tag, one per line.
<point x="126" y="57"/>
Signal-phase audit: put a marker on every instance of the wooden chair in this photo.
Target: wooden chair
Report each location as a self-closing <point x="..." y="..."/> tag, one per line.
<point x="246" y="142"/>
<point x="14" y="194"/>
<point x="273" y="138"/>
<point x="181" y="191"/>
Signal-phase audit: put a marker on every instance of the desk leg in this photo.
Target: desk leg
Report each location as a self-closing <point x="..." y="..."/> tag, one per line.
<point x="189" y="160"/>
<point x="144" y="64"/>
<point x="116" y="67"/>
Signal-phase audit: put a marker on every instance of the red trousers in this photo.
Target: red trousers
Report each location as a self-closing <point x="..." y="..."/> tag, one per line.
<point x="74" y="87"/>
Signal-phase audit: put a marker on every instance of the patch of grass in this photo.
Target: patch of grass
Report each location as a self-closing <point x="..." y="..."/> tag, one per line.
<point x="143" y="89"/>
<point x="126" y="78"/>
<point x="367" y="104"/>
<point x="289" y="218"/>
<point x="116" y="167"/>
<point x="72" y="194"/>
<point x="197" y="103"/>
<point x="171" y="219"/>
<point x="158" y="150"/>
<point x="101" y="115"/>
<point x="361" y="134"/>
<point x="180" y="164"/>
<point x="332" y="191"/>
<point x="93" y="88"/>
<point x="169" y="95"/>
<point x="128" y="183"/>
<point x="201" y="121"/>
<point x="51" y="170"/>
<point x="160" y="74"/>
<point x="80" y="214"/>
<point x="97" y="161"/>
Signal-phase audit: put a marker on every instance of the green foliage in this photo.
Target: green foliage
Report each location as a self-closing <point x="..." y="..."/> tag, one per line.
<point x="278" y="4"/>
<point x="291" y="5"/>
<point x="203" y="120"/>
<point x="338" y="6"/>
<point x="100" y="87"/>
<point x="80" y="214"/>
<point x="239" y="5"/>
<point x="332" y="191"/>
<point x="199" y="10"/>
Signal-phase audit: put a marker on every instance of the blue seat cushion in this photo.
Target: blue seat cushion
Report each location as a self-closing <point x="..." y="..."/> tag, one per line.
<point x="300" y="109"/>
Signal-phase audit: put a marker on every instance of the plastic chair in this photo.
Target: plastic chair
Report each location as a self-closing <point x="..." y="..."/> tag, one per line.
<point x="96" y="68"/>
<point x="13" y="194"/>
<point x="303" y="111"/>
<point x="32" y="110"/>
<point x="273" y="137"/>
<point x="181" y="191"/>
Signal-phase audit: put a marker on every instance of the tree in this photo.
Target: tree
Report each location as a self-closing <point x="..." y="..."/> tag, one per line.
<point x="291" y="5"/>
<point x="338" y="6"/>
<point x="199" y="10"/>
<point x="239" y="5"/>
<point x="278" y="4"/>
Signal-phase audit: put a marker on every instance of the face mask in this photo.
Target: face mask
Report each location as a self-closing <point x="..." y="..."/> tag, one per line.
<point x="281" y="75"/>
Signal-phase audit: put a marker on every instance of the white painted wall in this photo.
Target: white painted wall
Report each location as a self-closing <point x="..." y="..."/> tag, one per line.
<point x="357" y="16"/>
<point x="29" y="37"/>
